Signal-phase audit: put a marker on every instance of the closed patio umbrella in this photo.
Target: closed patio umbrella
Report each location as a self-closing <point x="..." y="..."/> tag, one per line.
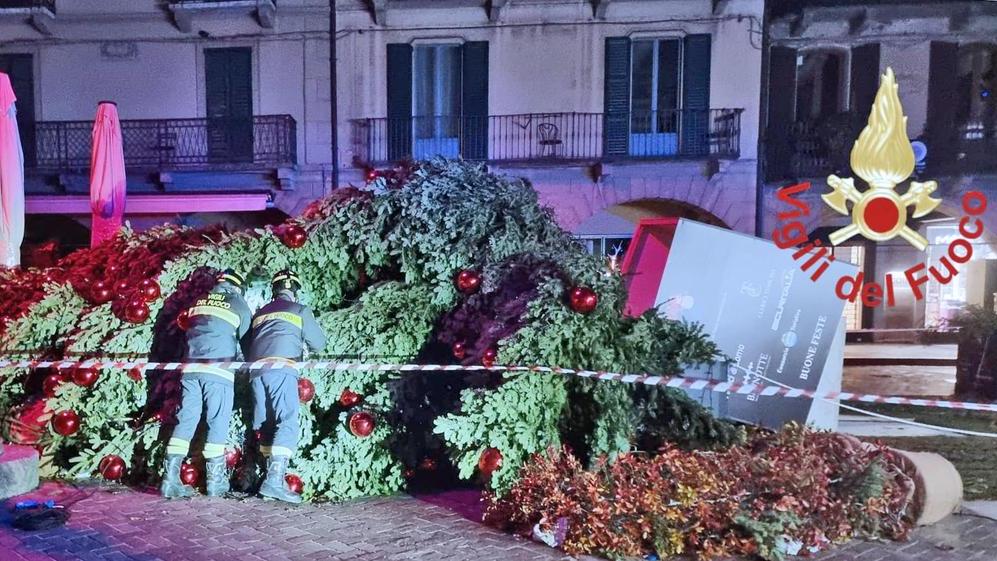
<point x="11" y="179"/>
<point x="107" y="174"/>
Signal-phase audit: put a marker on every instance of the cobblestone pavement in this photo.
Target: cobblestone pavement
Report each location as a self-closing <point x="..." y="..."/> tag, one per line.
<point x="122" y="525"/>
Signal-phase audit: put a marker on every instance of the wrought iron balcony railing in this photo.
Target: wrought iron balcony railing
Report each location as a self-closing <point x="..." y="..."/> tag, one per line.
<point x="10" y="4"/>
<point x="809" y="149"/>
<point x="262" y="141"/>
<point x="551" y="137"/>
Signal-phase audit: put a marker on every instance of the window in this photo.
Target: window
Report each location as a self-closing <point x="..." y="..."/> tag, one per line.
<point x="820" y="84"/>
<point x="436" y="109"/>
<point x="228" y="82"/>
<point x="657" y="96"/>
<point x="654" y="96"/>
<point x="606" y="246"/>
<point x="437" y="101"/>
<point x="976" y="112"/>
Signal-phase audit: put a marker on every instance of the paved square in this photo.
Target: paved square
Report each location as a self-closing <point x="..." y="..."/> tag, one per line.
<point x="115" y="524"/>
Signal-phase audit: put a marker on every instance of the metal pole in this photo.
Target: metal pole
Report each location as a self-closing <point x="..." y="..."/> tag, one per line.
<point x="334" y="110"/>
<point x="762" y="146"/>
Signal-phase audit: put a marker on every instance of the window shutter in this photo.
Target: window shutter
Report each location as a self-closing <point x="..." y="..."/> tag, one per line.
<point x="20" y="68"/>
<point x="781" y="112"/>
<point x="229" y="102"/>
<point x="864" y="78"/>
<point x="474" y="101"/>
<point x="399" y="125"/>
<point x="696" y="95"/>
<point x="942" y="95"/>
<point x="616" y="97"/>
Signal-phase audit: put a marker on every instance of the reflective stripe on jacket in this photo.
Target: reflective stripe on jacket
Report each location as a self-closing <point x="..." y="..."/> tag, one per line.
<point x="281" y="329"/>
<point x="216" y="324"/>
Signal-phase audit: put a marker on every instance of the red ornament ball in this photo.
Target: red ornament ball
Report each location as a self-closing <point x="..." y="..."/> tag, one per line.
<point x="459" y="351"/>
<point x="232" y="457"/>
<point x="136" y="374"/>
<point x="112" y="467"/>
<point x="101" y="293"/>
<point x="488" y="359"/>
<point x="306" y="390"/>
<point x="123" y="288"/>
<point x="51" y="383"/>
<point x="149" y="289"/>
<point x="294" y="236"/>
<point x="85" y="376"/>
<point x="583" y="299"/>
<point x="294" y="483"/>
<point x="490" y="461"/>
<point x="468" y="281"/>
<point x="189" y="474"/>
<point x="409" y="473"/>
<point x="66" y="422"/>
<point x="428" y="464"/>
<point x="349" y="398"/>
<point x="362" y="424"/>
<point x="183" y="321"/>
<point x="137" y="311"/>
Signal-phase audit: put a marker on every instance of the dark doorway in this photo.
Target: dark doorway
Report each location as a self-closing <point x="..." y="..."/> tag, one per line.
<point x="21" y="70"/>
<point x="229" y="87"/>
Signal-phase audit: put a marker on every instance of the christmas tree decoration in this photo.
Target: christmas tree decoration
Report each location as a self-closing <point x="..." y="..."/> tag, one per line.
<point x="85" y="376"/>
<point x="51" y="383"/>
<point x="490" y="461"/>
<point x="294" y="483"/>
<point x="427" y="464"/>
<point x="488" y="358"/>
<point x="349" y="398"/>
<point x="66" y="423"/>
<point x="150" y="290"/>
<point x="136" y="311"/>
<point x="189" y="474"/>
<point x="294" y="236"/>
<point x="306" y="390"/>
<point x="408" y="473"/>
<point x="459" y="352"/>
<point x="111" y="467"/>
<point x="583" y="299"/>
<point x="101" y="293"/>
<point x="25" y="423"/>
<point x="136" y="373"/>
<point x="362" y="424"/>
<point x="468" y="281"/>
<point x="122" y="289"/>
<point x="232" y="457"/>
<point x="183" y="321"/>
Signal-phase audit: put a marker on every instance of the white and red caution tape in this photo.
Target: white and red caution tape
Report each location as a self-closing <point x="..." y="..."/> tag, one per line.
<point x="677" y="382"/>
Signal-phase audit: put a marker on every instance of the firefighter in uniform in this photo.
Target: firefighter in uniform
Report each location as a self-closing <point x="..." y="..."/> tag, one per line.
<point x="216" y="323"/>
<point x="280" y="332"/>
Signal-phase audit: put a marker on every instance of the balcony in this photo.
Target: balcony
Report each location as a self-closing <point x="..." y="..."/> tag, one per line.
<point x="818" y="149"/>
<point x="551" y="138"/>
<point x="267" y="141"/>
<point x="40" y="14"/>
<point x="185" y="11"/>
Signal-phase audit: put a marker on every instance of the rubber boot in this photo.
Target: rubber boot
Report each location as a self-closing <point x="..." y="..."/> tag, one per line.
<point x="274" y="487"/>
<point x="217" y="476"/>
<point x="172" y="487"/>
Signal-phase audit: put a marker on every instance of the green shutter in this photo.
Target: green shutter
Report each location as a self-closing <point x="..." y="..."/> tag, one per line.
<point x="616" y="97"/>
<point x="474" y="101"/>
<point x="399" y="125"/>
<point x="781" y="113"/>
<point x="696" y="95"/>
<point x="228" y="78"/>
<point x="943" y="95"/>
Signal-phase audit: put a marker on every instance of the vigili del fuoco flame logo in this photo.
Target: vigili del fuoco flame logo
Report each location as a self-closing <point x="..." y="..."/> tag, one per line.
<point x="883" y="158"/>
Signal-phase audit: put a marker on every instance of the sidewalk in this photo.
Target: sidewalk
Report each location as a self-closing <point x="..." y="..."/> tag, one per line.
<point x="124" y="525"/>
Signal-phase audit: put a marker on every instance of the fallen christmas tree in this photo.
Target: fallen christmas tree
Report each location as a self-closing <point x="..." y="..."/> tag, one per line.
<point x="441" y="263"/>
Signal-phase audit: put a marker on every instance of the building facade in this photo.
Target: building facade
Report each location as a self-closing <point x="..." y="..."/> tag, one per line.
<point x="824" y="60"/>
<point x="225" y="106"/>
<point x="613" y="110"/>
